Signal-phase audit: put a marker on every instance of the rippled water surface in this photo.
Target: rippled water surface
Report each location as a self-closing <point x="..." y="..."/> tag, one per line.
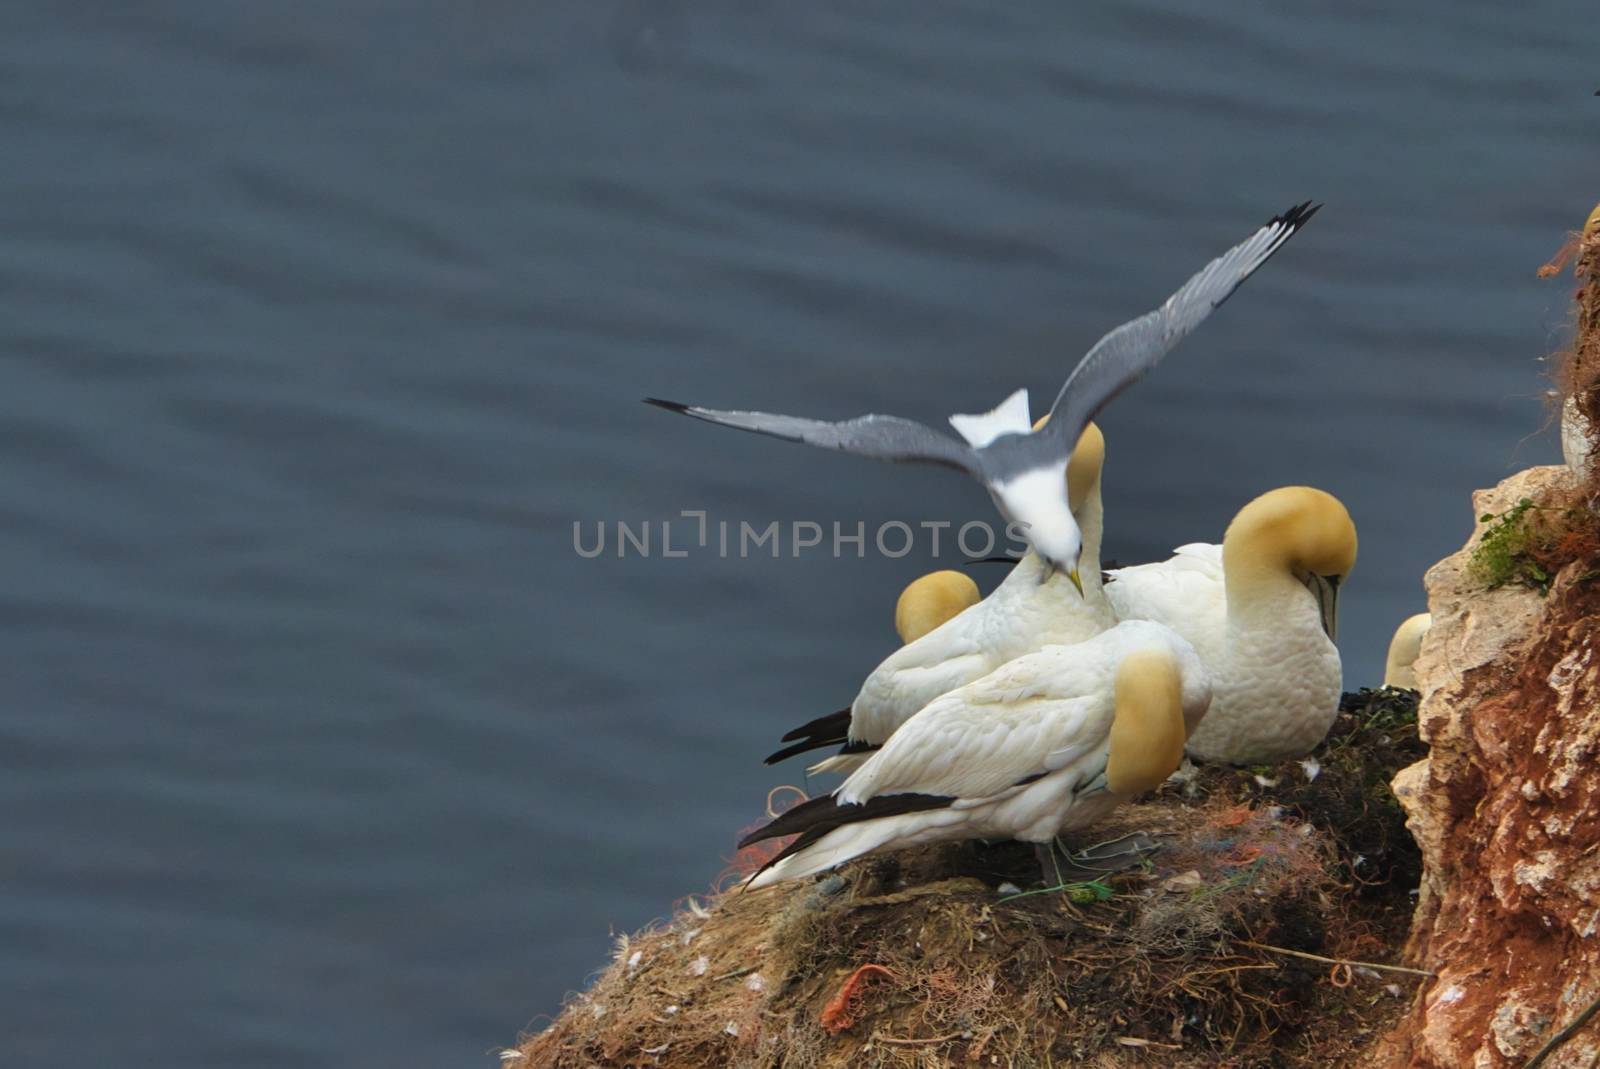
<point x="324" y="322"/>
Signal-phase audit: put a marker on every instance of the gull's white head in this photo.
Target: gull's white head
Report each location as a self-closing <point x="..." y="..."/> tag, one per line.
<point x="930" y="601"/>
<point x="1035" y="502"/>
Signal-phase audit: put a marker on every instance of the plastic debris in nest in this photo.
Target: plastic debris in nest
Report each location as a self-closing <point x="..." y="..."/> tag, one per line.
<point x="841" y="1010"/>
<point x="751" y="859"/>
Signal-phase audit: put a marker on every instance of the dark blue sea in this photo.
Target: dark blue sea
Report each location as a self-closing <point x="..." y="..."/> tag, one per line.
<point x="325" y="322"/>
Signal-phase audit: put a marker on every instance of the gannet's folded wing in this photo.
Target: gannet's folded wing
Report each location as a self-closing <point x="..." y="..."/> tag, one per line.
<point x="1125" y="355"/>
<point x="1187" y="591"/>
<point x="891" y="438"/>
<point x="997" y="733"/>
<point x="954" y="755"/>
<point x="914" y="675"/>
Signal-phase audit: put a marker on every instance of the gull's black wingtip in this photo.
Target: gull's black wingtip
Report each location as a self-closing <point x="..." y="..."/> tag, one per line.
<point x="1296" y="217"/>
<point x="670" y="406"/>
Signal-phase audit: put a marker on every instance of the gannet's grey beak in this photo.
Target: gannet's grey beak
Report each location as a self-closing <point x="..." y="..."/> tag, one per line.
<point x="1325" y="588"/>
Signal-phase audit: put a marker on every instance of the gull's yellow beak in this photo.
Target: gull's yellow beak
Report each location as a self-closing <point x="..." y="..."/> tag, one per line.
<point x="1073" y="575"/>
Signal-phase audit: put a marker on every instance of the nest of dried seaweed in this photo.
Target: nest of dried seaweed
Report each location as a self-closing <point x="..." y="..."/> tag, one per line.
<point x="937" y="956"/>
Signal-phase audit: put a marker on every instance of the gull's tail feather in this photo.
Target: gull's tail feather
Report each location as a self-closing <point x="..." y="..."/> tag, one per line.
<point x="1008" y="417"/>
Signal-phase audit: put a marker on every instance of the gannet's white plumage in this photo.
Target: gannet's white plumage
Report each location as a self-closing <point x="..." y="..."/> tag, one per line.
<point x="1577" y="439"/>
<point x="1048" y="743"/>
<point x="1022" y="469"/>
<point x="1260" y="609"/>
<point x="1033" y="607"/>
<point x="1399" y="669"/>
<point x="930" y="600"/>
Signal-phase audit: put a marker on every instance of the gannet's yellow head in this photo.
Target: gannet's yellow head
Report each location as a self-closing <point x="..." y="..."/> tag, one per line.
<point x="1147" y="729"/>
<point x="1592" y="227"/>
<point x="1294" y="530"/>
<point x="1083" y="469"/>
<point x="929" y="601"/>
<point x="1399" y="671"/>
<point x="1083" y="475"/>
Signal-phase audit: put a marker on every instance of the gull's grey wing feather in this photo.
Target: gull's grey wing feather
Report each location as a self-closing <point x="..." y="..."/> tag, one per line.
<point x="891" y="438"/>
<point x="1122" y="357"/>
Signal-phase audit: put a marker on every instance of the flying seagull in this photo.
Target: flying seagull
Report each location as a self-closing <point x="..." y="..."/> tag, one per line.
<point x="1024" y="470"/>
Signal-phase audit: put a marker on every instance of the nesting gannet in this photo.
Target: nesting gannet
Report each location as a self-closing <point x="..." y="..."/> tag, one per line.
<point x="930" y="600"/>
<point x="1403" y="650"/>
<point x="1032" y="608"/>
<point x="1048" y="743"/>
<point x="1023" y="469"/>
<point x="1261" y="609"/>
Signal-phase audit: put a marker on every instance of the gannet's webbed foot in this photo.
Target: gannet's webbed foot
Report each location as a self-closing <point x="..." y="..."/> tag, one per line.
<point x="1060" y="867"/>
<point x="1102" y="859"/>
<point x="1051" y="871"/>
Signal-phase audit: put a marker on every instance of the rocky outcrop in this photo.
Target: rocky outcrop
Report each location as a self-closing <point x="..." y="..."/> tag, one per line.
<point x="1506" y="808"/>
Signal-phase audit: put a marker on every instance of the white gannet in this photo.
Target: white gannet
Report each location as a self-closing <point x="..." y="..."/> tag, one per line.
<point x="1023" y="469"/>
<point x="1577" y="439"/>
<point x="930" y="600"/>
<point x="1403" y="650"/>
<point x="1032" y="608"/>
<point x="1050" y="742"/>
<point x="1261" y="609"/>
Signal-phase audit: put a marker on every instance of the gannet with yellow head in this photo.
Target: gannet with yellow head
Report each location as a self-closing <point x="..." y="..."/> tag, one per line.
<point x="1261" y="609"/>
<point x="1048" y="743"/>
<point x="1035" y="606"/>
<point x="1399" y="669"/>
<point x="930" y="600"/>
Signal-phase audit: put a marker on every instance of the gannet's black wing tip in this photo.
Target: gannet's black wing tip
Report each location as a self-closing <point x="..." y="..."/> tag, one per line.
<point x="797" y="748"/>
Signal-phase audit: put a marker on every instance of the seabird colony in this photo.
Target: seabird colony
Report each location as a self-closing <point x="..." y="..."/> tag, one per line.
<point x="1037" y="710"/>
